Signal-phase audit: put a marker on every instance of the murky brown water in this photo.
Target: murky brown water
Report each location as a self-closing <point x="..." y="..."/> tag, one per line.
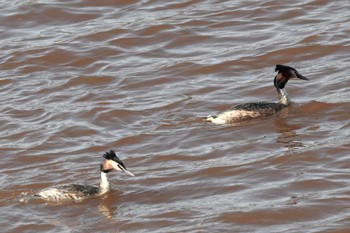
<point x="81" y="77"/>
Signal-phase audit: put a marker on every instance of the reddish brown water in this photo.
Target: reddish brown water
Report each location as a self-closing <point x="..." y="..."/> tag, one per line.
<point x="81" y="77"/>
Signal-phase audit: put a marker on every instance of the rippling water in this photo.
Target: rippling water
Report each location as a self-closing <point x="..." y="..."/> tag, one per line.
<point x="78" y="78"/>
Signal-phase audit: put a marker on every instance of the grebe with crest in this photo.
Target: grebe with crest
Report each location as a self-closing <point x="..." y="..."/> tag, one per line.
<point x="249" y="111"/>
<point x="78" y="192"/>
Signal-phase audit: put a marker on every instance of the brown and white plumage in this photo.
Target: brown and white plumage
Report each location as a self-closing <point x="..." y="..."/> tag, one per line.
<point x="260" y="109"/>
<point x="78" y="192"/>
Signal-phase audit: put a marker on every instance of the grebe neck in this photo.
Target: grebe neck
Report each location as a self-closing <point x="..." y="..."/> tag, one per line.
<point x="104" y="185"/>
<point x="283" y="97"/>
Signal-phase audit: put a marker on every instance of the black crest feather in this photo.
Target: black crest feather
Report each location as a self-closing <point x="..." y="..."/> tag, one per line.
<point x="282" y="68"/>
<point x="110" y="155"/>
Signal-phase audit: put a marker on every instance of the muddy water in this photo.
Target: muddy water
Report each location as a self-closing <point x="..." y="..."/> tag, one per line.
<point x="78" y="78"/>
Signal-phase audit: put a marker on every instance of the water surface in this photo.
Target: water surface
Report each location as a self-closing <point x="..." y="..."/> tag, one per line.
<point x="78" y="78"/>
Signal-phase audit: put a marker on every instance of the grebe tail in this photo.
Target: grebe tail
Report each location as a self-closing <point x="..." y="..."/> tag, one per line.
<point x="260" y="109"/>
<point x="78" y="192"/>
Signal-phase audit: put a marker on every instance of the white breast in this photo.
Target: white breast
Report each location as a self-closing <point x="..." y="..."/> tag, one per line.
<point x="233" y="116"/>
<point x="57" y="195"/>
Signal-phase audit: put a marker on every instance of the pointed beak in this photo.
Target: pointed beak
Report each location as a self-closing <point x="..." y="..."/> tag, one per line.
<point x="128" y="172"/>
<point x="301" y="77"/>
<point x="119" y="167"/>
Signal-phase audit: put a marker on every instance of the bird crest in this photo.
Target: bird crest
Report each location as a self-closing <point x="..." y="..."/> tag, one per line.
<point x="284" y="74"/>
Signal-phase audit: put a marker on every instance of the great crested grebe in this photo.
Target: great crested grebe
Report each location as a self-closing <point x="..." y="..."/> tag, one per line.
<point x="78" y="192"/>
<point x="254" y="110"/>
